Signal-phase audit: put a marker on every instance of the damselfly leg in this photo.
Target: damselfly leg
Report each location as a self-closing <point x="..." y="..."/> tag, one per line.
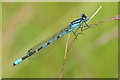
<point x="74" y="34"/>
<point x="82" y="26"/>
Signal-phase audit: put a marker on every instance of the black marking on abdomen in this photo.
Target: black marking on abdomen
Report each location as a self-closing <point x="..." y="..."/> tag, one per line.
<point x="58" y="36"/>
<point x="24" y="57"/>
<point x="30" y="53"/>
<point x="67" y="31"/>
<point x="40" y="48"/>
<point x="48" y="43"/>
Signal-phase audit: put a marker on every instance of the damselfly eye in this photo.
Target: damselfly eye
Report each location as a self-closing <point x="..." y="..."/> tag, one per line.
<point x="83" y="16"/>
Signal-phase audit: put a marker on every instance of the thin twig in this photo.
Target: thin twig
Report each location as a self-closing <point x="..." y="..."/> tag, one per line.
<point x="65" y="57"/>
<point x="95" y="13"/>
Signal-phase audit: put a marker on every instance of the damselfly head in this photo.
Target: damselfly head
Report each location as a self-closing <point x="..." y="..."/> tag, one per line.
<point x="84" y="17"/>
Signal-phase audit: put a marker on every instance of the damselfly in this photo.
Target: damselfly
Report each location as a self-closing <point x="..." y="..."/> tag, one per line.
<point x="76" y="24"/>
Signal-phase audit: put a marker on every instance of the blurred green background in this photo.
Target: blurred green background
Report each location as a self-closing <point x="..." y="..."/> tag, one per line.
<point x="93" y="55"/>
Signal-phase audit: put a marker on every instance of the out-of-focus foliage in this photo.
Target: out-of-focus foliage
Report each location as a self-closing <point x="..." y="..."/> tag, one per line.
<point x="93" y="55"/>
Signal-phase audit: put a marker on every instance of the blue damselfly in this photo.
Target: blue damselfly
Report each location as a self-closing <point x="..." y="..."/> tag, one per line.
<point x="76" y="24"/>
